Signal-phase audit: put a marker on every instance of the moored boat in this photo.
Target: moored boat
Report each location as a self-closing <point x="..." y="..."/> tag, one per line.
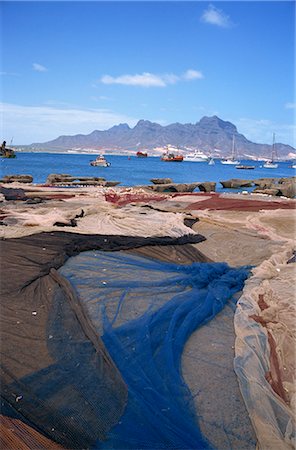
<point x="171" y="157"/>
<point x="271" y="164"/>
<point x="197" y="156"/>
<point x="6" y="152"/>
<point x="232" y="159"/>
<point x="142" y="154"/>
<point x="243" y="167"/>
<point x="100" y="161"/>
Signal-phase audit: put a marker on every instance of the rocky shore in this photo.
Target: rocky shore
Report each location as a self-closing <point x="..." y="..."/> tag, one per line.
<point x="285" y="187"/>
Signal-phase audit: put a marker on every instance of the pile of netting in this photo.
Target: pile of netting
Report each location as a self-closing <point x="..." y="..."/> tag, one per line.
<point x="93" y="354"/>
<point x="145" y="311"/>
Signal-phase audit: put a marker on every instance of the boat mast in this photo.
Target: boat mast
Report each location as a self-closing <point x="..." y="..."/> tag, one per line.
<point x="232" y="151"/>
<point x="273" y="146"/>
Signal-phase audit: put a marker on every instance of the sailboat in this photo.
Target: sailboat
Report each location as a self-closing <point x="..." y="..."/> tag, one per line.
<point x="231" y="159"/>
<point x="271" y="164"/>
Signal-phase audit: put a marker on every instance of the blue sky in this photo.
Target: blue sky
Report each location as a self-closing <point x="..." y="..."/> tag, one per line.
<point x="73" y="67"/>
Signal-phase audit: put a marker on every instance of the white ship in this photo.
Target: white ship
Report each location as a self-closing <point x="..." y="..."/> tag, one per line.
<point x="197" y="156"/>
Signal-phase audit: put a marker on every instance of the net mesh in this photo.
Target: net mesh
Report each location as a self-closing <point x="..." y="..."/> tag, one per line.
<point x="145" y="311"/>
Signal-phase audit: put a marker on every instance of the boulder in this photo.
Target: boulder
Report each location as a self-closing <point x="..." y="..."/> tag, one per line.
<point x="174" y="187"/>
<point x="264" y="182"/>
<point x="287" y="189"/>
<point x="161" y="180"/>
<point x="207" y="186"/>
<point x="112" y="183"/>
<point x="17" y="179"/>
<point x="235" y="183"/>
<point x="62" y="179"/>
<point x="267" y="191"/>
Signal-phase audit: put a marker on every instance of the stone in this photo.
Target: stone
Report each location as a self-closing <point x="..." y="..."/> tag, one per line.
<point x="161" y="180"/>
<point x="207" y="186"/>
<point x="17" y="179"/>
<point x="174" y="187"/>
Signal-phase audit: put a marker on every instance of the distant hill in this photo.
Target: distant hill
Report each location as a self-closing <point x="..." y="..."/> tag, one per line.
<point x="210" y="134"/>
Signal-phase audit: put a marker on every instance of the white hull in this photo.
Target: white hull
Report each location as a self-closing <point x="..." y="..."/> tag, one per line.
<point x="101" y="164"/>
<point x="230" y="162"/>
<point x="100" y="161"/>
<point x="196" y="157"/>
<point x="270" y="166"/>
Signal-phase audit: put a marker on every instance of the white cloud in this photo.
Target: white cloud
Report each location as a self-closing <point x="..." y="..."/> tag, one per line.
<point x="30" y="124"/>
<point x="9" y="73"/>
<point x="261" y="131"/>
<point x="39" y="68"/>
<point x="192" y="75"/>
<point x="215" y="16"/>
<point x="147" y="79"/>
<point x="290" y="105"/>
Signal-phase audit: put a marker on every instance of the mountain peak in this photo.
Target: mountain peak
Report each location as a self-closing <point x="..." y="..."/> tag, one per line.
<point x="121" y="126"/>
<point x="146" y="124"/>
<point x="215" y="121"/>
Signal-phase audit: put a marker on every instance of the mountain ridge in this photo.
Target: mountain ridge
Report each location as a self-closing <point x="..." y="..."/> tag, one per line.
<point x="211" y="135"/>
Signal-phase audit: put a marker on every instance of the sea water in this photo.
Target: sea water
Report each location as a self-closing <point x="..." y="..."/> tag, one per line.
<point x="133" y="171"/>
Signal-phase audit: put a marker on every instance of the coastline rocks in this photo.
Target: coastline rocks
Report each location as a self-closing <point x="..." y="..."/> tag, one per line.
<point x="264" y="183"/>
<point x="17" y="179"/>
<point x="55" y="179"/>
<point x="207" y="186"/>
<point x="161" y="180"/>
<point x="284" y="187"/>
<point x="235" y="183"/>
<point x="174" y="187"/>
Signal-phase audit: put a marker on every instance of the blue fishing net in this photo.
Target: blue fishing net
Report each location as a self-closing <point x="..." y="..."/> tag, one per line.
<point x="145" y="311"/>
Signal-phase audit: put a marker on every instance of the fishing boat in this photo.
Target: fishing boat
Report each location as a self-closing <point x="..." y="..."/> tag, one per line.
<point x="271" y="164"/>
<point x="6" y="152"/>
<point x="243" y="167"/>
<point x="197" y="156"/>
<point x="171" y="157"/>
<point x="100" y="161"/>
<point x="142" y="154"/>
<point x="232" y="159"/>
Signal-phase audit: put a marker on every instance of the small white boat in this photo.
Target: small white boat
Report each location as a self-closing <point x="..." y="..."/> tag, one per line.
<point x="229" y="161"/>
<point x="197" y="156"/>
<point x="294" y="166"/>
<point x="271" y="164"/>
<point x="100" y="161"/>
<point x="232" y="159"/>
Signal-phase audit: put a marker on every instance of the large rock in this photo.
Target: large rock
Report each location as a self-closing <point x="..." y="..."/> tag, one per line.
<point x="161" y="180"/>
<point x="17" y="179"/>
<point x="62" y="179"/>
<point x="264" y="183"/>
<point x="235" y="183"/>
<point x="268" y="191"/>
<point x="207" y="186"/>
<point x="174" y="187"/>
<point x="287" y="189"/>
